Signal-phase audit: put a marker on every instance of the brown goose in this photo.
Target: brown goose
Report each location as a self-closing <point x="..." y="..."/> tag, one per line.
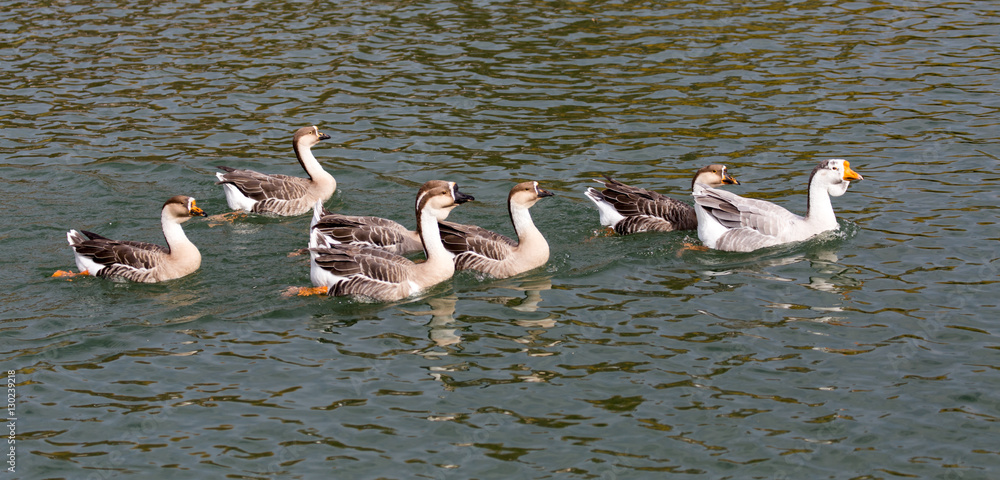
<point x="376" y="274"/>
<point x="139" y="261"/>
<point x="628" y="209"/>
<point x="476" y="248"/>
<point x="256" y="192"/>
<point x="729" y="222"/>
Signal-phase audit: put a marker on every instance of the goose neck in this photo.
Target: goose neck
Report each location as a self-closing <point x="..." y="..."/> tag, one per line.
<point x="524" y="227"/>
<point x="819" y="207"/>
<point x="173" y="233"/>
<point x="309" y="162"/>
<point x="430" y="236"/>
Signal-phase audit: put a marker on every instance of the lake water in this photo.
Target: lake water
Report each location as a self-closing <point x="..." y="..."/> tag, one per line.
<point x="870" y="353"/>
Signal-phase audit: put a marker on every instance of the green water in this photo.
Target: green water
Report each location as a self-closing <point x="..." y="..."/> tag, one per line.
<point x="865" y="354"/>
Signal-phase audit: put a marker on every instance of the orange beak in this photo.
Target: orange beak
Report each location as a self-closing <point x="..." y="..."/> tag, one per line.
<point x="728" y="179"/>
<point x="851" y="174"/>
<point x="196" y="212"/>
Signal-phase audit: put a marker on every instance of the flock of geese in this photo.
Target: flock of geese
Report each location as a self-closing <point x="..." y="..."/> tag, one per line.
<point x="364" y="256"/>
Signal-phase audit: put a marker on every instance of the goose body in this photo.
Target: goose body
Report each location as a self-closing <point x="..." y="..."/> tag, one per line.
<point x="256" y="192"/>
<point x="627" y="209"/>
<point x="476" y="248"/>
<point x="140" y="261"/>
<point x="737" y="224"/>
<point x="334" y="228"/>
<point x="376" y="274"/>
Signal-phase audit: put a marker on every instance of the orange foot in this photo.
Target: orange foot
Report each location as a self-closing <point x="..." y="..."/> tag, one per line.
<point x="216" y="220"/>
<point x="604" y="232"/>
<point x="304" y="291"/>
<point x="296" y="253"/>
<point x="691" y="246"/>
<point x="68" y="275"/>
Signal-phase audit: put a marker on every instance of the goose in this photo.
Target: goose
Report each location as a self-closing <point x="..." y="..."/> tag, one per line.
<point x="140" y="261"/>
<point x="626" y="209"/>
<point x="256" y="192"/>
<point x="737" y="224"/>
<point x="334" y="228"/>
<point x="372" y="273"/>
<point x="498" y="256"/>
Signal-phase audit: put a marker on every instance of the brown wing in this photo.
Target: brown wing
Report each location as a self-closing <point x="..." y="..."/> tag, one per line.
<point x="475" y="248"/>
<point x="264" y="187"/>
<point x="663" y="213"/>
<point x="355" y="260"/>
<point x="370" y="231"/>
<point x="643" y="223"/>
<point x="121" y="258"/>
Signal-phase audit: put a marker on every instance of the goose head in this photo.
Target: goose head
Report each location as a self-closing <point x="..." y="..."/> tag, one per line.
<point x="439" y="197"/>
<point x="834" y="175"/>
<point x="180" y="209"/>
<point x="714" y="175"/>
<point x="308" y="137"/>
<point x="526" y="194"/>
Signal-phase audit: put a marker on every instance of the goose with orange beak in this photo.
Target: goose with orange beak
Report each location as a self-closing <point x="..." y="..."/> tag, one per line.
<point x="737" y="224"/>
<point x="140" y="261"/>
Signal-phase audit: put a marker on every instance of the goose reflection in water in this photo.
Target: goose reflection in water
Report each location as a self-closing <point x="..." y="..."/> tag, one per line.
<point x="532" y="295"/>
<point x="830" y="275"/>
<point x="442" y="311"/>
<point x="442" y="314"/>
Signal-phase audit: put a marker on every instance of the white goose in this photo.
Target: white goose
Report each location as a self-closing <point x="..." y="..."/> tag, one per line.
<point x="334" y="228"/>
<point x="733" y="223"/>
<point x="139" y="261"/>
<point x="256" y="192"/>
<point x="627" y="209"/>
<point x="476" y="248"/>
<point x="376" y="274"/>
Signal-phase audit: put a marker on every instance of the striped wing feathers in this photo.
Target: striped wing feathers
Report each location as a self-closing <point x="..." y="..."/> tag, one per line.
<point x="262" y="187"/>
<point x="121" y="258"/>
<point x="646" y="210"/>
<point x="369" y="231"/>
<point x="359" y="261"/>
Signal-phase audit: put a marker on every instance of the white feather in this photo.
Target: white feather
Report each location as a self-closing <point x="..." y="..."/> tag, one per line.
<point x="609" y="216"/>
<point x="709" y="228"/>
<point x="83" y="262"/>
<point x="317" y="213"/>
<point x="235" y="198"/>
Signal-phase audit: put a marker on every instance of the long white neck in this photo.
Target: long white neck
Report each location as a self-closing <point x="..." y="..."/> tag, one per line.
<point x="311" y="165"/>
<point x="430" y="235"/>
<point x="177" y="242"/>
<point x="528" y="236"/>
<point x="820" y="209"/>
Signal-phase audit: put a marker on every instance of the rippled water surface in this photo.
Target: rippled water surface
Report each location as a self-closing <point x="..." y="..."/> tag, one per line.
<point x="870" y="353"/>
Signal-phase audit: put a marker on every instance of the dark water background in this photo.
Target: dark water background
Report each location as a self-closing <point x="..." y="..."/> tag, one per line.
<point x="866" y="354"/>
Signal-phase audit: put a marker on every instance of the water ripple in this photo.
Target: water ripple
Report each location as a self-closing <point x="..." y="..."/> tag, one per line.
<point x="623" y="356"/>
